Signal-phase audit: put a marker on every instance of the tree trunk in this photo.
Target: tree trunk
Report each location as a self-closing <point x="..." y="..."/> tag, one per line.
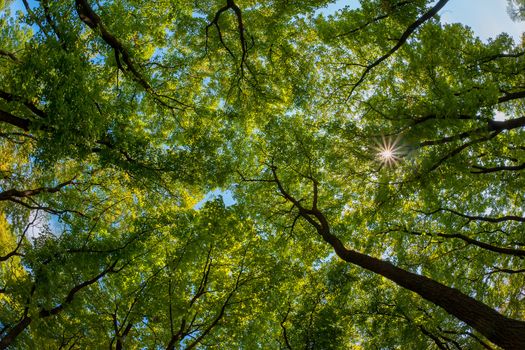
<point x="501" y="330"/>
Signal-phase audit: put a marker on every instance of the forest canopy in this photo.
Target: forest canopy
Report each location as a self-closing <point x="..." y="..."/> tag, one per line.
<point x="243" y="174"/>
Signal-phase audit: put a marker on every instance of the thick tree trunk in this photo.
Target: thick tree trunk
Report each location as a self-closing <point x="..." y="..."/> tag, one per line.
<point x="503" y="331"/>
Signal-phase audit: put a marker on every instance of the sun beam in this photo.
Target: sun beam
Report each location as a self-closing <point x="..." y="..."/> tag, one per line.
<point x="388" y="151"/>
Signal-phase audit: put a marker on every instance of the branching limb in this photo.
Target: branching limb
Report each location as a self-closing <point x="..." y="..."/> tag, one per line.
<point x="14" y="332"/>
<point x="89" y="17"/>
<point x="434" y="338"/>
<point x="73" y="291"/>
<point x="483" y="245"/>
<point x="36" y="206"/>
<point x="9" y="97"/>
<point x="15" y="252"/>
<point x="459" y="149"/>
<point x="230" y="5"/>
<point x="9" y="55"/>
<point x="503" y="331"/>
<point x="17" y="194"/>
<point x="483" y="170"/>
<point x="215" y="22"/>
<point x="221" y="313"/>
<point x="294" y="222"/>
<point x="458" y="137"/>
<point x="201" y="290"/>
<point x="52" y="24"/>
<point x="177" y="336"/>
<point x="500" y="55"/>
<point x="92" y="20"/>
<point x="373" y="20"/>
<point x="511" y="96"/>
<point x="121" y="337"/>
<point x="404" y="37"/>
<point x="35" y="18"/>
<point x="504" y="270"/>
<point x="478" y="218"/>
<point x="285" y="336"/>
<point x="502" y="125"/>
<point x="8" y="118"/>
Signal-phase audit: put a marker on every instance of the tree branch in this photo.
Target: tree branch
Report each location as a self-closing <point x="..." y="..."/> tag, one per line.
<point x="222" y="311"/>
<point x="9" y="55"/>
<point x="434" y="338"/>
<point x="511" y="96"/>
<point x="503" y="331"/>
<point x="483" y="170"/>
<point x="13" y="193"/>
<point x="501" y="125"/>
<point x="404" y="37"/>
<point x="372" y="21"/>
<point x="486" y="246"/>
<point x="89" y="17"/>
<point x="285" y="336"/>
<point x="478" y="218"/>
<point x="230" y="4"/>
<point x="92" y="20"/>
<point x="11" y="119"/>
<point x="8" y="339"/>
<point x="26" y="102"/>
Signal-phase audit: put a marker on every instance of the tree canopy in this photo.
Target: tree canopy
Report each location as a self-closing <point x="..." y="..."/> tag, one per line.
<point x="374" y="158"/>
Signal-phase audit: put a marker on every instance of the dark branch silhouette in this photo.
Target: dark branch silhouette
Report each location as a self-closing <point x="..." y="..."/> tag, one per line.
<point x="9" y="55"/>
<point x="373" y="20"/>
<point x="17" y="194"/>
<point x="404" y="37"/>
<point x="502" y="250"/>
<point x="478" y="217"/>
<point x="230" y="5"/>
<point x="26" y="320"/>
<point x="501" y="330"/>
<point x="92" y="20"/>
<point x="483" y="170"/>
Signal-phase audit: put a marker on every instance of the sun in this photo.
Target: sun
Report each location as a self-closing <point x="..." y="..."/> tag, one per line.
<point x="388" y="151"/>
<point x="386" y="154"/>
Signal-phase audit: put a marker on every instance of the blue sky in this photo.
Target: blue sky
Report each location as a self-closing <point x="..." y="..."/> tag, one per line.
<point x="487" y="18"/>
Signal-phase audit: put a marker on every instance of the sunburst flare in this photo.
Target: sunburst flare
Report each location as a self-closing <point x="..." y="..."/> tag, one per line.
<point x="389" y="151"/>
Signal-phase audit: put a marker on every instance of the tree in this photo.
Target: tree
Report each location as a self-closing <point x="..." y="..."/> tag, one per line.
<point x="374" y="157"/>
<point x="516" y="9"/>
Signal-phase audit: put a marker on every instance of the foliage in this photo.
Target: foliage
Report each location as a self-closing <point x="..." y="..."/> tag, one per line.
<point x="375" y="159"/>
<point x="516" y="9"/>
